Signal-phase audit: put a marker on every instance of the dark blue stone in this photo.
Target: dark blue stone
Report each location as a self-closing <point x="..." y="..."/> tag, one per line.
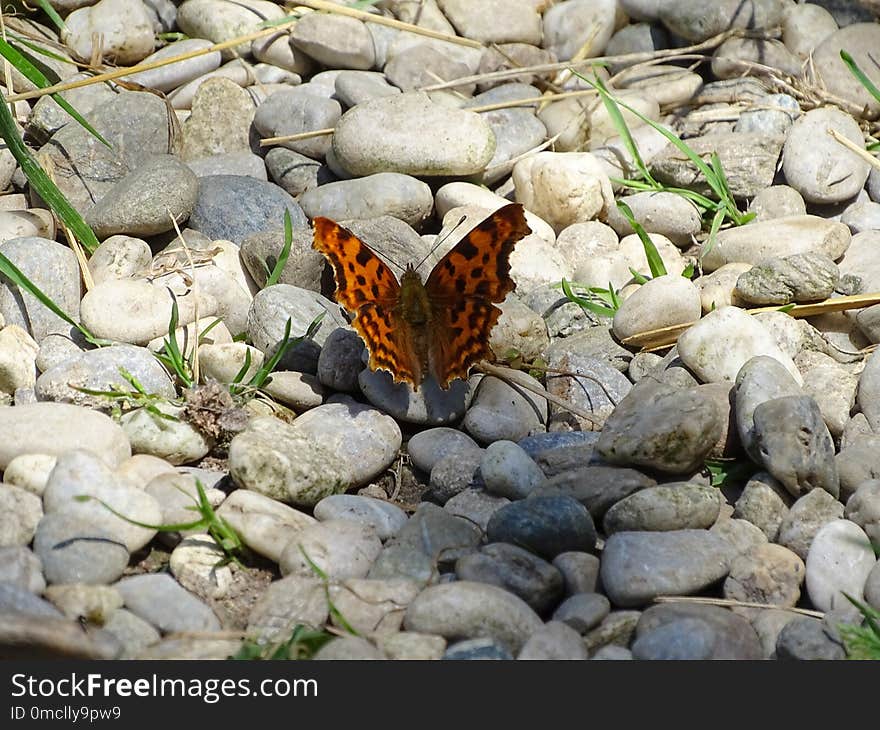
<point x="547" y="526"/>
<point x="477" y="649"/>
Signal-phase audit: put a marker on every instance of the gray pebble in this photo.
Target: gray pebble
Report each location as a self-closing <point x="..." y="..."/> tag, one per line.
<point x="20" y="567"/>
<point x="385" y="518"/>
<point x="805" y="518"/>
<point x="508" y="471"/>
<point x="547" y="526"/>
<point x="554" y="640"/>
<point x="597" y="487"/>
<point x="477" y="649"/>
<point x="73" y="550"/>
<point x="677" y="506"/>
<point x="733" y="636"/>
<point x="476" y="506"/>
<point x="160" y="600"/>
<point x="427" y="447"/>
<point x="805" y="638"/>
<point x="438" y="534"/>
<point x="583" y="611"/>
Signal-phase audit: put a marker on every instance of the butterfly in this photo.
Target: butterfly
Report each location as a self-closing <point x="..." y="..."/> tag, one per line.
<point x="440" y="327"/>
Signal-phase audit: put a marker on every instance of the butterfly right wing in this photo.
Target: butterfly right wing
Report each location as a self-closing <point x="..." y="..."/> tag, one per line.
<point x="366" y="287"/>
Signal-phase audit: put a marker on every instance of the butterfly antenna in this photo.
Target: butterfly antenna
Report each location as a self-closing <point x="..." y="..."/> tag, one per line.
<point x="440" y="241"/>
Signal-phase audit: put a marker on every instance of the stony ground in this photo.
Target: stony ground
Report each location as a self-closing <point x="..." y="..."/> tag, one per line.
<point x="712" y="499"/>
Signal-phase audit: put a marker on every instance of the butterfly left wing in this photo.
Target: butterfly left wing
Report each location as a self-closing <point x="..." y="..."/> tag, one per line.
<point x="462" y="288"/>
<point x="366" y="287"/>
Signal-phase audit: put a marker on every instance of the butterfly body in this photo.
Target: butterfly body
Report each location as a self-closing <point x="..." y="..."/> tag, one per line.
<point x="439" y="327"/>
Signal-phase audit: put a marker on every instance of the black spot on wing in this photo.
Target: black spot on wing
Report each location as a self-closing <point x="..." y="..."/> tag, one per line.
<point x="363" y="256"/>
<point x="361" y="280"/>
<point x="477" y="272"/>
<point x="466" y="249"/>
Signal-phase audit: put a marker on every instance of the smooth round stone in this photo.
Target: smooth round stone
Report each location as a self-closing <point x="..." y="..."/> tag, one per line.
<point x="735" y="56"/>
<point x="662" y="302"/>
<point x="285" y="603"/>
<point x="473" y="610"/>
<point x="839" y="561"/>
<point x="612" y="653"/>
<point x="452" y="474"/>
<point x="295" y="111"/>
<point x="698" y="20"/>
<point x="145" y="201"/>
<point x="809" y="147"/>
<point x="348" y="648"/>
<point x="777" y="201"/>
<point x="475" y="505"/>
<point x="805" y="518"/>
<point x="686" y="638"/>
<point x="268" y="315"/>
<point x="834" y="389"/>
<point x="806" y="638"/>
<point x="517" y="132"/>
<point x="173" y="440"/>
<point x="858" y="462"/>
<point x="638" y="566"/>
<point x="547" y="526"/>
<point x="554" y="640"/>
<point x="768" y="574"/>
<point x="133" y="633"/>
<point x="124" y="27"/>
<point x="224" y="361"/>
<point x="519" y="328"/>
<point x="136" y="311"/>
<point x="477" y="649"/>
<point x="119" y="257"/>
<point x="511" y="567"/>
<point x="617" y="628"/>
<point x="354" y="87"/>
<point x="423" y="64"/>
<point x="863" y="508"/>
<point x="69" y="558"/>
<point x="18" y="354"/>
<point x="17" y="600"/>
<point x="372" y="607"/>
<point x="197" y="563"/>
<point x="334" y="41"/>
<point x="160" y="600"/>
<point x="341" y="549"/>
<point x="168" y="78"/>
<point x="141" y="469"/>
<point x="387" y="135"/>
<point x="567" y="25"/>
<point x="495" y="21"/>
<point x="219" y="22"/>
<point x="650" y="418"/>
<point x="47" y="117"/>
<point x="96" y="603"/>
<point x="795" y="445"/>
<point x="868" y="397"/>
<point x="563" y="188"/>
<point x="294" y="172"/>
<point x="264" y="525"/>
<point x="337" y="446"/>
<point x="82" y="473"/>
<point x="51" y="637"/>
<point x="401" y="562"/>
<point x="441" y="536"/>
<point x="410" y="645"/>
<point x="635" y="38"/>
<point x="300" y="391"/>
<point x="21" y="568"/>
<point x="583" y="611"/>
<point x="219" y="122"/>
<point x="797" y="278"/>
<point x="859" y="40"/>
<point x="559" y="451"/>
<point x="665" y="213"/>
<point x="508" y="471"/>
<point x="872" y="587"/>
<point x="733" y="636"/>
<point x="580" y="571"/>
<point x="427" y="447"/>
<point x="53" y="428"/>
<point x="385" y="518"/>
<point x="717" y="346"/>
<point x="740" y="535"/>
<point x="596" y="487"/>
<point x="24" y="224"/>
<point x="764" y="502"/>
<point x="51" y="267"/>
<point x="775" y="120"/>
<point x="386" y="193"/>
<point x="230" y="163"/>
<point x="261" y="251"/>
<point x="20" y="512"/>
<point x="759" y="240"/>
<point x="231" y="207"/>
<point x="864" y="216"/>
<point x="666" y="507"/>
<point x="805" y="26"/>
<point x="101" y="370"/>
<point x="501" y="411"/>
<point x="430" y="405"/>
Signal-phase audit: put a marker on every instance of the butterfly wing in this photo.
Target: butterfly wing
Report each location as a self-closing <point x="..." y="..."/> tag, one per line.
<point x="462" y="288"/>
<point x="366" y="287"/>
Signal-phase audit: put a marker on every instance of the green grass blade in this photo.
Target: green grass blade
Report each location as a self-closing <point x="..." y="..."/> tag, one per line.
<point x="655" y="263"/>
<point x="239" y="376"/>
<point x="52" y="15"/>
<point x="285" y="251"/>
<point x="37" y="77"/>
<point x="637" y="277"/>
<point x="860" y="75"/>
<point x="44" y="187"/>
<point x="717" y="220"/>
<point x="159" y="528"/>
<point x="597" y="309"/>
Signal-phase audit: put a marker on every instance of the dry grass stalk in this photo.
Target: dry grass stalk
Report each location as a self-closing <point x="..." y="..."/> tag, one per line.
<point x="731" y="603"/>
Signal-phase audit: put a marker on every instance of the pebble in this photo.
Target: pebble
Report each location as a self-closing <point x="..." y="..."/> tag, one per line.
<point x="476" y="506"/>
<point x="399" y="561"/>
<point x="858" y="40"/>
<point x="777" y="201"/>
<point x="665" y="301"/>
<point x="768" y="574"/>
<point x="339" y="548"/>
<point x="547" y="526"/>
<point x="764" y="502"/>
<point x="20" y="513"/>
<point x="759" y="240"/>
<point x="401" y="145"/>
<point x="795" y="446"/>
<point x="335" y="41"/>
<point x="124" y="27"/>
<point x="701" y="19"/>
<point x="411" y="645"/>
<point x="500" y="411"/>
<point x="857" y="463"/>
<point x="676" y="506"/>
<point x="453" y="474"/>
<point x="20" y="567"/>
<point x="78" y="600"/>
<point x="839" y="560"/>
<point x="797" y="278"/>
<point x="869" y="389"/>
<point x="477" y="649"/>
<point x="372" y="607"/>
<point x="806" y="638"/>
<point x="160" y="600"/>
<point x="169" y="77"/>
<point x="473" y="610"/>
<point x="385" y="518"/>
<point x="133" y="633"/>
<point x="436" y="533"/>
<point x="597" y="487"/>
<point x="559" y="451"/>
<point x="198" y="564"/>
<point x="292" y="600"/>
<point x="259" y="455"/>
<point x="652" y="416"/>
<point x="805" y="518"/>
<point x="583" y="611"/>
<point x="428" y="447"/>
<point x="872" y="588"/>
<point x="508" y="471"/>
<point x="517" y="570"/>
<point x="566" y="25"/>
<point x="580" y="571"/>
<point x="555" y="640"/>
<point x="170" y="438"/>
<point x="638" y="566"/>
<point x="805" y="26"/>
<point x="69" y="558"/>
<point x="863" y="508"/>
<point x="722" y="342"/>
<point x="668" y="214"/>
<point x="616" y="629"/>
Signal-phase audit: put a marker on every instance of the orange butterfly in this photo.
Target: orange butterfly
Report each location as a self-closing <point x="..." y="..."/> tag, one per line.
<point x="440" y="327"/>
